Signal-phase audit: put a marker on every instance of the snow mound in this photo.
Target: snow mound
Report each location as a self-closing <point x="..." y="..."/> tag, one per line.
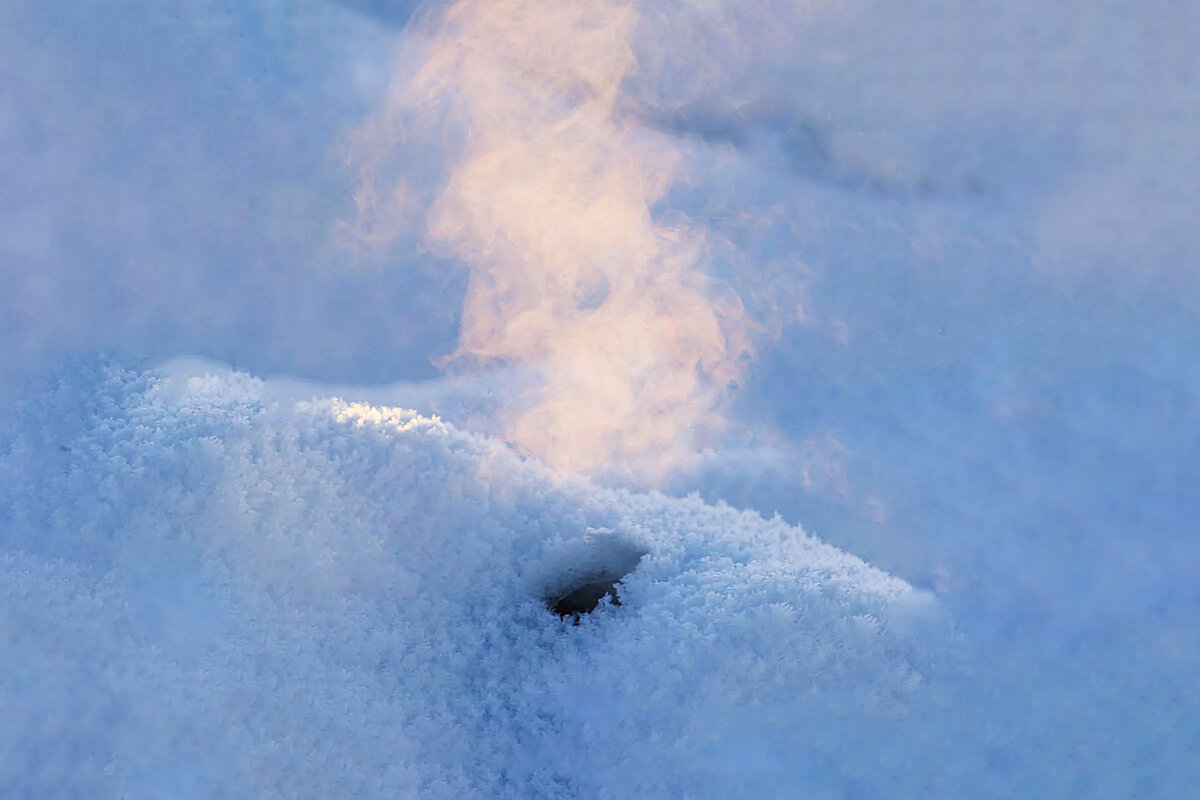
<point x="209" y="591"/>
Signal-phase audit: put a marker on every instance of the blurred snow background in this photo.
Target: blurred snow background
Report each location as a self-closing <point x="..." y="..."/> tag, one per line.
<point x="966" y="233"/>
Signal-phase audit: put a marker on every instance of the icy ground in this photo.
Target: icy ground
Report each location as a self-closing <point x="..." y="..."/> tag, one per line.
<point x="968" y="232"/>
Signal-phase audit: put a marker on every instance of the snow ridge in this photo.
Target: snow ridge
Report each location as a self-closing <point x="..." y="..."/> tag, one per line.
<point x="208" y="592"/>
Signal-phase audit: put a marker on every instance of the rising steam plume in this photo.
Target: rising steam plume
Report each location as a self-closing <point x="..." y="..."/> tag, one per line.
<point x="553" y="201"/>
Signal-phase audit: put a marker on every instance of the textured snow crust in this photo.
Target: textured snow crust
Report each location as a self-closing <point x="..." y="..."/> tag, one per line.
<point x="210" y="593"/>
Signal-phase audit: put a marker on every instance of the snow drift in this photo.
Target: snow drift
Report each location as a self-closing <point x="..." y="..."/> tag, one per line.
<point x="210" y="592"/>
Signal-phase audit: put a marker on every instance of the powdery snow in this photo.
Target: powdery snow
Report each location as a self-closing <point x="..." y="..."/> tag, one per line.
<point x="211" y="593"/>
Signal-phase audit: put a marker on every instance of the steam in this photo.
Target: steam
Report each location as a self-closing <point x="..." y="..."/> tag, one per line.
<point x="551" y="201"/>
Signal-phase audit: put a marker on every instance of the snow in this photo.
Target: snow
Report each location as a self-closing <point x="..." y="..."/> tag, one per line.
<point x="205" y="593"/>
<point x="945" y="547"/>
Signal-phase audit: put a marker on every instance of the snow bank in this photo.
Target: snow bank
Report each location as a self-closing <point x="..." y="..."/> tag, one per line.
<point x="208" y="592"/>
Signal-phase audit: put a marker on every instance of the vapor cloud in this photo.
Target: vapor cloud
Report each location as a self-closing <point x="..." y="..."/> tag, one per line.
<point x="554" y="201"/>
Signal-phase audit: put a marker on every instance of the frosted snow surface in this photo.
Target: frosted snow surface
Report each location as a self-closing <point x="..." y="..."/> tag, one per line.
<point x="210" y="593"/>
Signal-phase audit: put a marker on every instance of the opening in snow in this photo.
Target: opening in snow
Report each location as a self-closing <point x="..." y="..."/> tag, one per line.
<point x="589" y="574"/>
<point x="585" y="599"/>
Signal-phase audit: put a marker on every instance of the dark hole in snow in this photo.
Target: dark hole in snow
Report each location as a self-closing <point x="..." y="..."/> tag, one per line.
<point x="584" y="599"/>
<point x="589" y="572"/>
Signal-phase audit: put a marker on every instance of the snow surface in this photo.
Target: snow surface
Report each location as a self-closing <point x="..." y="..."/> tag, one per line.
<point x="209" y="593"/>
<point x="967" y="232"/>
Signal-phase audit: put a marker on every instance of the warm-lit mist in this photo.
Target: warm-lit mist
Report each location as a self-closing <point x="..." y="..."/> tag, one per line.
<point x="550" y="201"/>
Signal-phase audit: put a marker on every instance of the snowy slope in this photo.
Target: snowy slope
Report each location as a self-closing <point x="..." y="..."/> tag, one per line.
<point x="209" y="593"/>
